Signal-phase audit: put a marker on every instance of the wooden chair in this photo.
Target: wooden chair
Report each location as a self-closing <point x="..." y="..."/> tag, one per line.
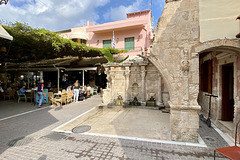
<point x="69" y="96"/>
<point x="88" y="94"/>
<point x="11" y="94"/>
<point x="3" y="95"/>
<point x="61" y="100"/>
<point x="30" y="96"/>
<point x="95" y="90"/>
<point x="50" y="97"/>
<point x="21" y="96"/>
<point x="231" y="152"/>
<point x="55" y="90"/>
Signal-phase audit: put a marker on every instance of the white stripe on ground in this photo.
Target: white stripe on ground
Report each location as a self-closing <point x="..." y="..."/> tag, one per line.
<point x="17" y="115"/>
<point x="200" y="144"/>
<point x="148" y="140"/>
<point x="57" y="129"/>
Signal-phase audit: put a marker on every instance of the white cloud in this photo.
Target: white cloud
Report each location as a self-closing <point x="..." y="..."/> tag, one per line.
<point x="58" y="15"/>
<point x="51" y="14"/>
<point x="119" y="13"/>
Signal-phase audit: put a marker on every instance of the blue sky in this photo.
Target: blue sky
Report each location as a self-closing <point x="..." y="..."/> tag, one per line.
<point x="58" y="15"/>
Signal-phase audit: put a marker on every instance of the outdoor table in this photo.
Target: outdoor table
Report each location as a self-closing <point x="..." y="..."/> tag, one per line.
<point x="58" y="94"/>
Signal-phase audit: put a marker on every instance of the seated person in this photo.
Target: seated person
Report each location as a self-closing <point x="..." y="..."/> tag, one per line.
<point x="69" y="88"/>
<point x="22" y="90"/>
<point x="2" y="94"/>
<point x="88" y="88"/>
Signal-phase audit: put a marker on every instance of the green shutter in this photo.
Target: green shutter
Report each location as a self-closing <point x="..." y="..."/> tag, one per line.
<point x="107" y="43"/>
<point x="129" y="43"/>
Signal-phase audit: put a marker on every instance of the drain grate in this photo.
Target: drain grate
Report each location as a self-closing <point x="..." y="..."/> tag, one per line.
<point x="81" y="129"/>
<point x="20" y="141"/>
<point x="54" y="136"/>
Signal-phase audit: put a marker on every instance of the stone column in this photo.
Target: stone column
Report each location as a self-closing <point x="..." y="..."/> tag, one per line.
<point x="143" y="75"/>
<point x="184" y="122"/>
<point x="185" y="65"/>
<point x="127" y="76"/>
<point x="184" y="115"/>
<point x="159" y="93"/>
<point x="112" y="76"/>
<point x="107" y="92"/>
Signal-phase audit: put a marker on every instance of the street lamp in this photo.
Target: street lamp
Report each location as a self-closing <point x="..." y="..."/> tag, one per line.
<point x="3" y="2"/>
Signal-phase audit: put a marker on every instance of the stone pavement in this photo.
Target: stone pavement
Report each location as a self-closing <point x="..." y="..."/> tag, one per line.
<point x="45" y="144"/>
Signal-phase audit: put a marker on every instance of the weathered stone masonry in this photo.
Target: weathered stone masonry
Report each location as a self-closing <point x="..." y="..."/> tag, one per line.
<point x="172" y="54"/>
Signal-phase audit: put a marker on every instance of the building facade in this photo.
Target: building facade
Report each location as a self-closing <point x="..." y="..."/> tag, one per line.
<point x="196" y="52"/>
<point x="133" y="34"/>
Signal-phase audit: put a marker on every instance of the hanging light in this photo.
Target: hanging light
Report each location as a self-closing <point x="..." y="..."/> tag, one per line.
<point x="3" y="2"/>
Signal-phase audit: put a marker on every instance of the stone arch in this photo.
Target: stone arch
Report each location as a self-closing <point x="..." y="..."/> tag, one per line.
<point x="233" y="44"/>
<point x="164" y="74"/>
<point x="221" y="52"/>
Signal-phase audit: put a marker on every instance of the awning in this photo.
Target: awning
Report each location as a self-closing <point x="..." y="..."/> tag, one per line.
<point x="80" y="35"/>
<point x="5" y="34"/>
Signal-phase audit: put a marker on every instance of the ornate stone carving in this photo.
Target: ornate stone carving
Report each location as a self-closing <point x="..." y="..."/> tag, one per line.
<point x="185" y="64"/>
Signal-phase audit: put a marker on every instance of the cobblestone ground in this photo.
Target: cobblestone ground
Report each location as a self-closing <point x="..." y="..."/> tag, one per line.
<point x="74" y="146"/>
<point x="48" y="145"/>
<point x="61" y="146"/>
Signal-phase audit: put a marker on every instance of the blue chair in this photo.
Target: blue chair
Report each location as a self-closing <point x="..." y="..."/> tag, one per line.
<point x="21" y="96"/>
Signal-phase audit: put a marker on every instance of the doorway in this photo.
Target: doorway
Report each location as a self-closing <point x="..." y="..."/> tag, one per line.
<point x="227" y="92"/>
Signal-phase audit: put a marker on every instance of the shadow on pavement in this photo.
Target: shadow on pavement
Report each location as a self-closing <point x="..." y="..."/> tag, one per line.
<point x="17" y="125"/>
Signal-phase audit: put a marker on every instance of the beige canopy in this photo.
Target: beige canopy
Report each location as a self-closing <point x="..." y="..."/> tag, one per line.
<point x="80" y="35"/>
<point x="5" y="34"/>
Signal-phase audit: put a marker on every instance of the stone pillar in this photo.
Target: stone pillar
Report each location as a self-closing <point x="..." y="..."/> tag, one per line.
<point x="127" y="75"/>
<point x="184" y="117"/>
<point x="107" y="92"/>
<point x="159" y="101"/>
<point x="112" y="76"/>
<point x="143" y="75"/>
<point x="184" y="122"/>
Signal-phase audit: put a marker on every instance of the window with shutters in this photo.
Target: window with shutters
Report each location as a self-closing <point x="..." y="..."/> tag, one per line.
<point x="129" y="43"/>
<point x="107" y="43"/>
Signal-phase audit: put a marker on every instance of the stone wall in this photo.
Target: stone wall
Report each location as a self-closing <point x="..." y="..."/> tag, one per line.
<point x="221" y="52"/>
<point x="172" y="53"/>
<point x="134" y="79"/>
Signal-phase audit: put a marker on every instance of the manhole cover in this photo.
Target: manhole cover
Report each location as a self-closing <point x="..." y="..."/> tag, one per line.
<point x="81" y="129"/>
<point x="20" y="141"/>
<point x="210" y="139"/>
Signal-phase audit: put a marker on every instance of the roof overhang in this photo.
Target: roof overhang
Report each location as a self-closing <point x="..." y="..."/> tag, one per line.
<point x="68" y="63"/>
<point x="82" y="69"/>
<point x="74" y="35"/>
<point x="80" y="35"/>
<point x="119" y="25"/>
<point x="4" y="34"/>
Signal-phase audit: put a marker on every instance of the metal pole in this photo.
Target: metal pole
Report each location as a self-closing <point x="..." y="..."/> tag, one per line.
<point x="28" y="79"/>
<point x="58" y="78"/>
<point x="83" y="78"/>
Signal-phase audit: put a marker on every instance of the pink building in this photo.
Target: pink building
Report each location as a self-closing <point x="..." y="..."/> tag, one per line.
<point x="133" y="34"/>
